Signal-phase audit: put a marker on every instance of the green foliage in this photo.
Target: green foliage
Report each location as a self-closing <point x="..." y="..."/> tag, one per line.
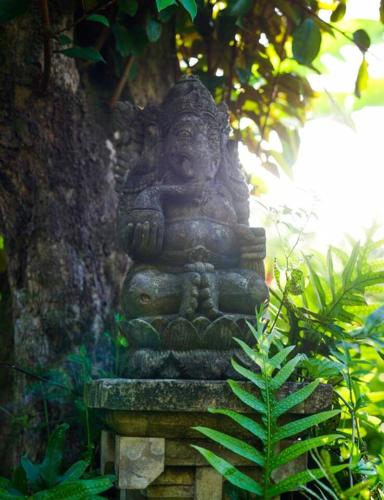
<point x="97" y="18"/>
<point x="241" y="49"/>
<point x="333" y="294"/>
<point x="86" y="53"/>
<point x="10" y="9"/>
<point x="46" y="481"/>
<point x="274" y="371"/>
<point x="306" y="42"/>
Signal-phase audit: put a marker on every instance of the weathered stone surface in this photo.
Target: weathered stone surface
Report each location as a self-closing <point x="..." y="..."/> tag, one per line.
<point x="138" y="461"/>
<point x="176" y="476"/>
<point x="179" y="452"/>
<point x="170" y="492"/>
<point x="107" y="452"/>
<point x="208" y="485"/>
<point x="185" y="396"/>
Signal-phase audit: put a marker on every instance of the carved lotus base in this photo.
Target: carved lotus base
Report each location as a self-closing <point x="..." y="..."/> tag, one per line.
<point x="174" y="347"/>
<point x="194" y="364"/>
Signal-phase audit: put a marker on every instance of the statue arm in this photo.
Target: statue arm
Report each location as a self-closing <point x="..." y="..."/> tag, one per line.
<point x="143" y="229"/>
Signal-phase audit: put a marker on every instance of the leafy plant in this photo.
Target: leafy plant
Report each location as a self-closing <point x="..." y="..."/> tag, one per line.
<point x="254" y="56"/>
<point x="274" y="371"/>
<point x="326" y="297"/>
<point x="46" y="481"/>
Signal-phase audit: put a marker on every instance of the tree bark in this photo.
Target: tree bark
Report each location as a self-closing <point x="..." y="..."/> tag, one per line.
<point x="57" y="208"/>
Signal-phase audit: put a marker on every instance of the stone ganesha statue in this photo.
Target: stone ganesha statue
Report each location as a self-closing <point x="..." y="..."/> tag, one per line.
<point x="198" y="269"/>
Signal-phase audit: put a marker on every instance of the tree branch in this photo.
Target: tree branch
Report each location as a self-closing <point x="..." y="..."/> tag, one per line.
<point x="84" y="17"/>
<point x="122" y="82"/>
<point x="47" y="44"/>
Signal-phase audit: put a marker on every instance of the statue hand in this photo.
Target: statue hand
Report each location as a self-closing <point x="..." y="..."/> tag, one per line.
<point x="252" y="242"/>
<point x="145" y="232"/>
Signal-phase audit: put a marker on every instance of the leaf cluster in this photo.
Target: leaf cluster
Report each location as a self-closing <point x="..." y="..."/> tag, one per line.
<point x="46" y="481"/>
<point x="254" y="56"/>
<point x="273" y="371"/>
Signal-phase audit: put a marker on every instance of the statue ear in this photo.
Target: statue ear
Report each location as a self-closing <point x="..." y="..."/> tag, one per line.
<point x="126" y="139"/>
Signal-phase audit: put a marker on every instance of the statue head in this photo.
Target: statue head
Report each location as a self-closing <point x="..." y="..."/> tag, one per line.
<point x="184" y="139"/>
<point x="192" y="127"/>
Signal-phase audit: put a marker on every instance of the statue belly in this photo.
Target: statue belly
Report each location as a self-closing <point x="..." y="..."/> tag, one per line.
<point x="185" y="235"/>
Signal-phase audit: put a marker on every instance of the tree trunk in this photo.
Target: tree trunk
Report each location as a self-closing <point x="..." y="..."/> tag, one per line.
<point x="57" y="209"/>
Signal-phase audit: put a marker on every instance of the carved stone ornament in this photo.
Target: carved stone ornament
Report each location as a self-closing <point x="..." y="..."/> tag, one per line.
<point x="198" y="271"/>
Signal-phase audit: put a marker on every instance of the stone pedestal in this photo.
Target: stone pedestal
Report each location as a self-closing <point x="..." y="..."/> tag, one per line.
<point x="150" y="432"/>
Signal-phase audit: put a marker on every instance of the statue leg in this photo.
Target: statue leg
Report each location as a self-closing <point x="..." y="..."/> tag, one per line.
<point x="241" y="290"/>
<point x="150" y="292"/>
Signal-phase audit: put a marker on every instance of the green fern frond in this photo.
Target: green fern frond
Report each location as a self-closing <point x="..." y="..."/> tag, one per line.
<point x="273" y="371"/>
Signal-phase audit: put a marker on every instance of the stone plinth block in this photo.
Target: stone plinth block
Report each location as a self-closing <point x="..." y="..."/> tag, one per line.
<point x="151" y="437"/>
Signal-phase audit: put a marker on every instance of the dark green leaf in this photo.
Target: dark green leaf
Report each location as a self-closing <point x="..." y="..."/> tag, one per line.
<point x="255" y="378"/>
<point x="190" y="6"/>
<point x="153" y="29"/>
<point x="294" y="399"/>
<point x="240" y="7"/>
<point x="87" y="53"/>
<point x="247" y="398"/>
<point x="233" y="444"/>
<point x="77" y="490"/>
<point x="278" y="358"/>
<point x="362" y="78"/>
<point x="339" y="12"/>
<point x="10" y="9"/>
<point x="231" y="474"/>
<point x="382" y="11"/>
<point x="302" y="424"/>
<point x="300" y="479"/>
<point x="166" y="14"/>
<point x="97" y="18"/>
<point x="65" y="40"/>
<point x="285" y="372"/>
<point x="19" y="480"/>
<point x="362" y="40"/>
<point x="50" y="466"/>
<point x="245" y="422"/>
<point x="163" y="4"/>
<point x="32" y="471"/>
<point x="131" y="41"/>
<point x="75" y="471"/>
<point x="128" y="7"/>
<point x="306" y="42"/>
<point x="299" y="448"/>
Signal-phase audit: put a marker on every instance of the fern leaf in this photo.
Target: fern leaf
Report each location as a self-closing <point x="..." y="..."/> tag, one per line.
<point x="331" y="276"/>
<point x="301" y="447"/>
<point x="357" y="488"/>
<point x="233" y="444"/>
<point x="246" y="397"/>
<point x="294" y="399"/>
<point x="77" y="490"/>
<point x="298" y="426"/>
<point x="6" y="495"/>
<point x="253" y="377"/>
<point x="278" y="358"/>
<point x="350" y="266"/>
<point x="231" y="474"/>
<point x="300" y="479"/>
<point x="75" y="471"/>
<point x="316" y="283"/>
<point x="251" y="353"/>
<point x="285" y="372"/>
<point x="245" y="422"/>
